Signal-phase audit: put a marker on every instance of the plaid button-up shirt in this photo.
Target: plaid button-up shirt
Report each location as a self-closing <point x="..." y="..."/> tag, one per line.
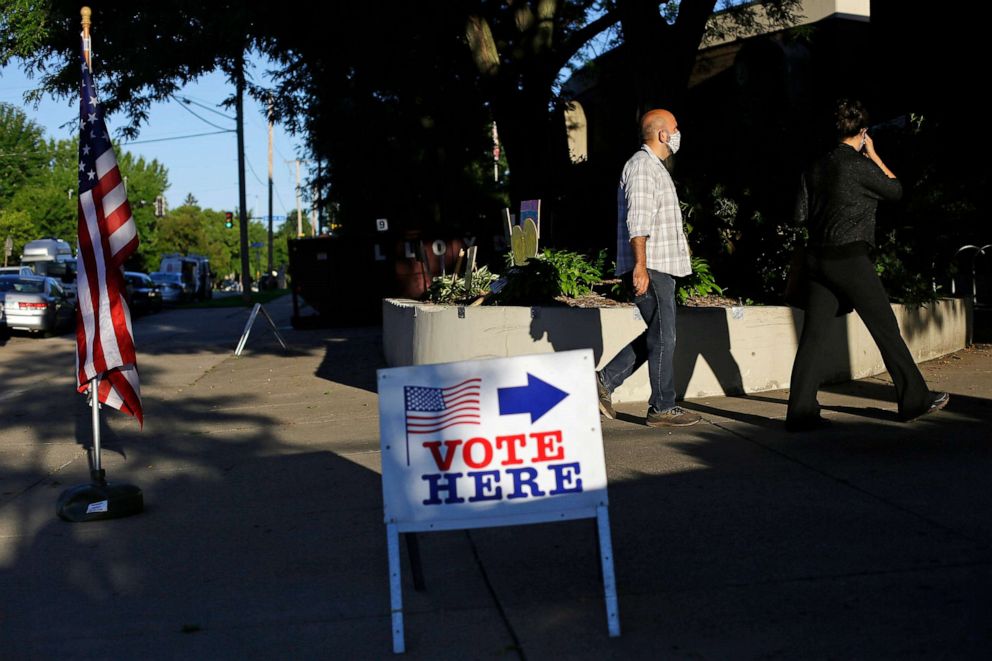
<point x="647" y="205"/>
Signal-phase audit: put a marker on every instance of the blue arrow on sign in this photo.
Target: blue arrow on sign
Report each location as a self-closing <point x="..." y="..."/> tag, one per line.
<point x="536" y="398"/>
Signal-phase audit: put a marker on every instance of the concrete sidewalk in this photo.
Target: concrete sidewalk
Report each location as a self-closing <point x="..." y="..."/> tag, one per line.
<point x="263" y="535"/>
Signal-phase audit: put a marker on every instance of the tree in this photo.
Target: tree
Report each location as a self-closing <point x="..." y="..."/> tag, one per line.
<point x="661" y="40"/>
<point x="145" y="180"/>
<point x="519" y="49"/>
<point x="23" y="151"/>
<point x="405" y="88"/>
<point x="17" y="226"/>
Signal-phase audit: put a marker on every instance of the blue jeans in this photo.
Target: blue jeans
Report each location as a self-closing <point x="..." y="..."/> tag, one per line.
<point x="656" y="344"/>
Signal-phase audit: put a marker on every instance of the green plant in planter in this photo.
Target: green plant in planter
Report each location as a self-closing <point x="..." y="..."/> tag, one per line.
<point x="700" y="283"/>
<point x="450" y="289"/>
<point x="551" y="274"/>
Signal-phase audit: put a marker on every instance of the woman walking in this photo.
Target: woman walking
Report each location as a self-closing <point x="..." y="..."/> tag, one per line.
<point x="837" y="201"/>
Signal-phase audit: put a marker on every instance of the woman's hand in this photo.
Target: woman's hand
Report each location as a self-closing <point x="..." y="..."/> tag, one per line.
<point x="869" y="146"/>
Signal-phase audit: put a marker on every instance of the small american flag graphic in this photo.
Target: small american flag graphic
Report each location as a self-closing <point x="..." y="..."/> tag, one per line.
<point x="429" y="409"/>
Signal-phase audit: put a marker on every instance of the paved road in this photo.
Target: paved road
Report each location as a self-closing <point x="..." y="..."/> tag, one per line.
<point x="263" y="534"/>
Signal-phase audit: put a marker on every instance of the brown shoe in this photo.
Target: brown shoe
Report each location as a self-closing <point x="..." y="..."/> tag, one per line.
<point x="673" y="417"/>
<point x="605" y="399"/>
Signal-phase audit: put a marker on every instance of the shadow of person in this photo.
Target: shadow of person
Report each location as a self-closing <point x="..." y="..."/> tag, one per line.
<point x="568" y="328"/>
<point x="705" y="333"/>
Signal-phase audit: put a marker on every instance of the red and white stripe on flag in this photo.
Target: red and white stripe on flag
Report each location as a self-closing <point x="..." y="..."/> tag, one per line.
<point x="107" y="237"/>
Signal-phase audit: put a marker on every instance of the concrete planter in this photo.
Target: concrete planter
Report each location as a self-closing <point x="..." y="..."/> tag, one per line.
<point x="719" y="350"/>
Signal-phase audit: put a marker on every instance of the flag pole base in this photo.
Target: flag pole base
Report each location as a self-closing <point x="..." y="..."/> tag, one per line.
<point x="99" y="500"/>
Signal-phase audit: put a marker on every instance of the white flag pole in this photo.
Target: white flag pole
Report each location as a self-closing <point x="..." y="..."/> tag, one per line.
<point x="97" y="471"/>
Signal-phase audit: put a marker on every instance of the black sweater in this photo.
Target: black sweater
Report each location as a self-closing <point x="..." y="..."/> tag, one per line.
<point x="839" y="195"/>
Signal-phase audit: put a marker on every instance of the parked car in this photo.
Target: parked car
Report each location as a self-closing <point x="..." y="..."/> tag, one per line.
<point x="35" y="303"/>
<point x="170" y="285"/>
<point x="52" y="257"/>
<point x="16" y="270"/>
<point x="142" y="292"/>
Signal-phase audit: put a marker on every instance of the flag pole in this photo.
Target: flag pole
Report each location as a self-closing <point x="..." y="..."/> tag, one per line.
<point x="98" y="499"/>
<point x="97" y="473"/>
<point x="86" y="13"/>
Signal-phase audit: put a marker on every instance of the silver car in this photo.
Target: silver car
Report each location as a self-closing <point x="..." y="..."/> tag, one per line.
<point x="171" y="286"/>
<point x="34" y="303"/>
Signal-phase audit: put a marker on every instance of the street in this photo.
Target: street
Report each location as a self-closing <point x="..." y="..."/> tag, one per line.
<point x="263" y="534"/>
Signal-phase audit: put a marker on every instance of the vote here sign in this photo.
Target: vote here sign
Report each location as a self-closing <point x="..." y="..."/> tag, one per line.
<point x="491" y="442"/>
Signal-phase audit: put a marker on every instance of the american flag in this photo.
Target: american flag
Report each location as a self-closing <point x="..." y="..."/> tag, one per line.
<point x="429" y="410"/>
<point x="107" y="237"/>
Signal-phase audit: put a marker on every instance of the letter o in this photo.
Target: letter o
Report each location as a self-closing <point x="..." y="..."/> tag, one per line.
<point x="439" y="247"/>
<point x="487" y="456"/>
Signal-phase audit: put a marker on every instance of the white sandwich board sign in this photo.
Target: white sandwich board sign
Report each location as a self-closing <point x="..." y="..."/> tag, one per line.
<point x="487" y="443"/>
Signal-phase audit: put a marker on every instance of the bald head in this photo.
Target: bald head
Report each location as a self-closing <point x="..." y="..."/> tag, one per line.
<point x="657" y="120"/>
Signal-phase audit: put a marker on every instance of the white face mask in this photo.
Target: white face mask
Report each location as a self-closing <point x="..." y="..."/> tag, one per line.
<point x="674" y="141"/>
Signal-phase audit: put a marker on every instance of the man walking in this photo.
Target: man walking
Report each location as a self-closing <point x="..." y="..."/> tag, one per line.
<point x="651" y="249"/>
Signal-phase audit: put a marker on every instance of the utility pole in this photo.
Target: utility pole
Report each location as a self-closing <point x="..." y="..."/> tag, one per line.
<point x="299" y="204"/>
<point x="319" y="193"/>
<point x="269" y="272"/>
<point x="243" y="211"/>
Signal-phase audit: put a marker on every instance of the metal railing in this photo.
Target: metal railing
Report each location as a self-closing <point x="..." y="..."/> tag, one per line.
<point x="978" y="252"/>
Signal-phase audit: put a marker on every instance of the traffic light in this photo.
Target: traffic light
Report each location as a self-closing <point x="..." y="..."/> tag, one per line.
<point x="228" y="219"/>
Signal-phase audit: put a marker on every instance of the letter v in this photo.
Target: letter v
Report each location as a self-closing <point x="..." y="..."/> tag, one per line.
<point x="443" y="463"/>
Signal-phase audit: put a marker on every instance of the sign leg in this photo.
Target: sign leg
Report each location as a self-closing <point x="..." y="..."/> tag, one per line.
<point x="395" y="587"/>
<point x="275" y="328"/>
<point x="609" y="578"/>
<point x="244" y="335"/>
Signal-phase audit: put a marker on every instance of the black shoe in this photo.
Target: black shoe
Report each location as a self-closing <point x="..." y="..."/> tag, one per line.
<point x="605" y="399"/>
<point x="938" y="400"/>
<point x="811" y="423"/>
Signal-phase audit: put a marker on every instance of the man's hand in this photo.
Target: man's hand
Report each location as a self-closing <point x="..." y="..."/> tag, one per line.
<point x="641" y="280"/>
<point x="639" y="246"/>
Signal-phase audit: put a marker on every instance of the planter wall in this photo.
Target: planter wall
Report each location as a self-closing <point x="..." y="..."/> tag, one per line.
<point x="719" y="350"/>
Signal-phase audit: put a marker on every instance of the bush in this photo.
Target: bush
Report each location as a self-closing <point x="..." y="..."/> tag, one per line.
<point x="450" y="289"/>
<point x="701" y="283"/>
<point x="551" y="274"/>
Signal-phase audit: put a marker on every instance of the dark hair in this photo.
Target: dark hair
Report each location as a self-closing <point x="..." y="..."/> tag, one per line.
<point x="849" y="118"/>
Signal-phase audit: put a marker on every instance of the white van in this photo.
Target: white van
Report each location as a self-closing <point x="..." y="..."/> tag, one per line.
<point x="52" y="257"/>
<point x="195" y="272"/>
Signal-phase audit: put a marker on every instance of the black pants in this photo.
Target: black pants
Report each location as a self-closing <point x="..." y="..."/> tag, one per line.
<point x="851" y="278"/>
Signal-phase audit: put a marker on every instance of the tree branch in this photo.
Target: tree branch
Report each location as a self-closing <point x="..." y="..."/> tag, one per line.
<point x="581" y="37"/>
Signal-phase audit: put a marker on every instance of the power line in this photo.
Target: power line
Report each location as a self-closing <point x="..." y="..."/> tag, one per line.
<point x="178" y="137"/>
<point x="187" y="99"/>
<point x="254" y="174"/>
<point x="183" y="106"/>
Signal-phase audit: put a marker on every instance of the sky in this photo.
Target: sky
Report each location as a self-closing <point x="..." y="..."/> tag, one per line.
<point x="205" y="166"/>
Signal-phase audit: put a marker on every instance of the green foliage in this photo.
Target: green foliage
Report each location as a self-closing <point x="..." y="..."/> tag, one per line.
<point x="903" y="283"/>
<point x="22" y="150"/>
<point x="146" y="180"/>
<point x="450" y="289"/>
<point x="700" y="284"/>
<point x="18" y="226"/>
<point x="552" y="274"/>
<point x="39" y="181"/>
<point x="576" y="274"/>
<point x="190" y="229"/>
